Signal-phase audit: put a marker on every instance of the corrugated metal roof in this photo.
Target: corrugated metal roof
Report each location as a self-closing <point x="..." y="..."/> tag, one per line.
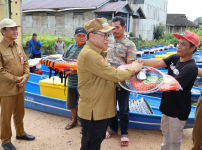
<point x="61" y="4"/>
<point x="112" y="6"/>
<point x="137" y="11"/>
<point x="135" y="7"/>
<point x="179" y="20"/>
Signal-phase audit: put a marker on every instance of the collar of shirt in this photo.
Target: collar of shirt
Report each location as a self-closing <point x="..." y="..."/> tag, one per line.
<point x="120" y="40"/>
<point x="80" y="45"/>
<point x="104" y="54"/>
<point x="7" y="44"/>
<point x="92" y="46"/>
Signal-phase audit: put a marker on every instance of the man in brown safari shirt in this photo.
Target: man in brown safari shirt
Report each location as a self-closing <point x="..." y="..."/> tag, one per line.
<point x="96" y="86"/>
<point x="14" y="72"/>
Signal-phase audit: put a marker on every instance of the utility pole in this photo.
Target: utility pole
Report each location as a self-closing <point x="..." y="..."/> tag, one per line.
<point x="9" y="7"/>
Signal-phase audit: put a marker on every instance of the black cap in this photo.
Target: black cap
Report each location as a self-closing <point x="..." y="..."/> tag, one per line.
<point x="34" y="34"/>
<point x="80" y="30"/>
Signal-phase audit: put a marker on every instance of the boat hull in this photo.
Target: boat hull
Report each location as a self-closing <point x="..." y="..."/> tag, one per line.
<point x="136" y="120"/>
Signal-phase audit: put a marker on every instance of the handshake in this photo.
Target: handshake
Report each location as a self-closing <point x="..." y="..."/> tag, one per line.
<point x="136" y="64"/>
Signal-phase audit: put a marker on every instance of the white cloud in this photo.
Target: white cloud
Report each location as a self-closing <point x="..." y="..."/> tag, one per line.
<point x="192" y="9"/>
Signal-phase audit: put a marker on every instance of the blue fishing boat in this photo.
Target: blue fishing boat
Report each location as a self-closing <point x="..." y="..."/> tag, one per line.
<point x="195" y="94"/>
<point x="34" y="100"/>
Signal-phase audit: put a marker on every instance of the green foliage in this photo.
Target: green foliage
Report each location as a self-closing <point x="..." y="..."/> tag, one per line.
<point x="131" y="34"/>
<point x="158" y="31"/>
<point x="166" y="39"/>
<point x="198" y="20"/>
<point x="47" y="42"/>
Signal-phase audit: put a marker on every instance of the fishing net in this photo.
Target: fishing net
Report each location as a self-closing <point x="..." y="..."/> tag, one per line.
<point x="140" y="106"/>
<point x="149" y="80"/>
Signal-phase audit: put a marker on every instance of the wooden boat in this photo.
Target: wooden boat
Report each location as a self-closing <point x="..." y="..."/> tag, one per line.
<point x="34" y="100"/>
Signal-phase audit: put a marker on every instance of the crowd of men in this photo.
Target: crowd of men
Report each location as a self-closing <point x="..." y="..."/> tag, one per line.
<point x="93" y="92"/>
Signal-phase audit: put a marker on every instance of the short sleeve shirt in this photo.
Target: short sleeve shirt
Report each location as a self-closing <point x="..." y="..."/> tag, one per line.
<point x="119" y="52"/>
<point x="59" y="47"/>
<point x="72" y="53"/>
<point x="178" y="103"/>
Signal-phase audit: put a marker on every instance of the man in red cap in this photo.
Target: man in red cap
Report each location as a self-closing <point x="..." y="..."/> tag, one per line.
<point x="14" y="72"/>
<point x="176" y="105"/>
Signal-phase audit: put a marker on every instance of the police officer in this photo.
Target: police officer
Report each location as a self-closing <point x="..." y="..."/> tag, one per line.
<point x="14" y="72"/>
<point x="96" y="84"/>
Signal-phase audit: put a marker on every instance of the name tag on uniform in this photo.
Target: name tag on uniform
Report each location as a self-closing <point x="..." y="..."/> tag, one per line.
<point x="7" y="54"/>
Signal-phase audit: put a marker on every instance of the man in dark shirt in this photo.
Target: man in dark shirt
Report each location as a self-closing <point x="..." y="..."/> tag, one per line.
<point x="176" y="105"/>
<point x="72" y="53"/>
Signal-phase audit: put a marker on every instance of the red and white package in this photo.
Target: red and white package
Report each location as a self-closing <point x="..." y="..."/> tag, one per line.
<point x="169" y="84"/>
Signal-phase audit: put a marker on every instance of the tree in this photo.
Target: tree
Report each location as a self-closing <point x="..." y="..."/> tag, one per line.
<point x="158" y="31"/>
<point x="198" y="20"/>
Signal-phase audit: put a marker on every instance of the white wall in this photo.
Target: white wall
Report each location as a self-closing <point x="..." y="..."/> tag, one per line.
<point x="156" y="13"/>
<point x="63" y="23"/>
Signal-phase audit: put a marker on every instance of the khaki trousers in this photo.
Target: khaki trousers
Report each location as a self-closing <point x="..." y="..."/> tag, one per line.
<point x="11" y="105"/>
<point x="172" y="129"/>
<point x="197" y="130"/>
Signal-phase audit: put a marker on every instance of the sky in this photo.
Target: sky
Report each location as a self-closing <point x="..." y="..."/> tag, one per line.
<point x="192" y="8"/>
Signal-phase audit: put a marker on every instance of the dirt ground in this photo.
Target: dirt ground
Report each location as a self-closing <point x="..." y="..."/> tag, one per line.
<point x="51" y="135"/>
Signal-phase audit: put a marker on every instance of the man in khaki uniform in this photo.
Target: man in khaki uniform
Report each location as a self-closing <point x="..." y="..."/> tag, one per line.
<point x="96" y="84"/>
<point x="14" y="72"/>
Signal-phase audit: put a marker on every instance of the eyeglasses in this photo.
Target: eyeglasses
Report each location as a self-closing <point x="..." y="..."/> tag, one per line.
<point x="12" y="28"/>
<point x="106" y="35"/>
